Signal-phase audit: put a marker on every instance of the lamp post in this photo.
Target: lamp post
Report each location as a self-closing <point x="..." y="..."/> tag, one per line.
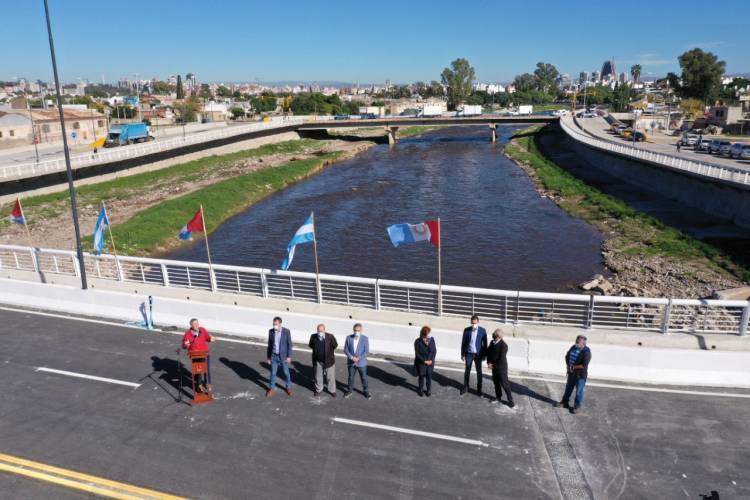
<point x="71" y="187"/>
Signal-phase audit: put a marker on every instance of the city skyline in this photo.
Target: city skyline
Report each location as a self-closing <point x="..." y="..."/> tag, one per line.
<point x="332" y="42"/>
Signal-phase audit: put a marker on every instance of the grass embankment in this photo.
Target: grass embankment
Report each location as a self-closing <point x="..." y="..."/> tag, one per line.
<point x="154" y="230"/>
<point x="50" y="205"/>
<point x="630" y="232"/>
<point x="416" y="130"/>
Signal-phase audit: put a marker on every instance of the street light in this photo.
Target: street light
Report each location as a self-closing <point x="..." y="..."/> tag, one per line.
<point x="71" y="187"/>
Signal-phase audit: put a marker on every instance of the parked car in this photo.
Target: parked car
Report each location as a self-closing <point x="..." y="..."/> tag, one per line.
<point x="621" y="129"/>
<point x="689" y="139"/>
<point x="736" y="150"/>
<point x="725" y="148"/>
<point x="745" y="152"/>
<point x="703" y="145"/>
<point x="640" y="137"/>
<point x="560" y="112"/>
<point x="717" y="144"/>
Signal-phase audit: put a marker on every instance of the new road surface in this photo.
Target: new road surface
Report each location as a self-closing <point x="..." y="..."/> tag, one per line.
<point x="93" y="408"/>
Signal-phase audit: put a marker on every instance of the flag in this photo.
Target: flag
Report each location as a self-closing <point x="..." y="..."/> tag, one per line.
<point x="195" y="224"/>
<point x="16" y="215"/>
<point x="412" y="233"/>
<point x="101" y="223"/>
<point x="305" y="234"/>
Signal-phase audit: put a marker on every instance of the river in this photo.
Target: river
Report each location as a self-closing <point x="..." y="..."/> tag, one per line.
<point x="497" y="232"/>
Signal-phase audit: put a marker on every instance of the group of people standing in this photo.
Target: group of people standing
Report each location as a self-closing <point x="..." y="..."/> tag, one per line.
<point x="475" y="349"/>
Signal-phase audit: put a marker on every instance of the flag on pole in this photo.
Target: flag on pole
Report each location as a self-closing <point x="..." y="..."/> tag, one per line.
<point x="195" y="225"/>
<point x="102" y="223"/>
<point x="16" y="215"/>
<point x="412" y="233"/>
<point x="305" y="234"/>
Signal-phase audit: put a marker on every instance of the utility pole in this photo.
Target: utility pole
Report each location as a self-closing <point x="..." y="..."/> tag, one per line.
<point x="33" y="126"/>
<point x="71" y="187"/>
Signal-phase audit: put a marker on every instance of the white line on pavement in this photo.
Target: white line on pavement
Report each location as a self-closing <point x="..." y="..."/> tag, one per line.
<point x="413" y="432"/>
<point x="90" y="377"/>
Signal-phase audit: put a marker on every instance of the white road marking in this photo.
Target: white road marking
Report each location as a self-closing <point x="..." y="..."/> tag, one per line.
<point x="413" y="432"/>
<point x="90" y="377"/>
<point x="383" y="360"/>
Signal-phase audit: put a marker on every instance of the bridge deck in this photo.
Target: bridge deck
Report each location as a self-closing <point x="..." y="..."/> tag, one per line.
<point x="626" y="443"/>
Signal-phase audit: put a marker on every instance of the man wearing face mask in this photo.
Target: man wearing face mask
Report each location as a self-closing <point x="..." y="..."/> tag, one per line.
<point x="196" y="339"/>
<point x="323" y="345"/>
<point x="473" y="349"/>
<point x="356" y="348"/>
<point x="279" y="353"/>
<point x="497" y="361"/>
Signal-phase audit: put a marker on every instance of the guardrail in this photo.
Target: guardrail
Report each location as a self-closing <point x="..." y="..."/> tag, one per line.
<point x="576" y="310"/>
<point x="712" y="171"/>
<point x="26" y="170"/>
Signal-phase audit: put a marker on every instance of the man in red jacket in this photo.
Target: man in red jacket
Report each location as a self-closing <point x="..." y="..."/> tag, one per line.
<point x="197" y="339"/>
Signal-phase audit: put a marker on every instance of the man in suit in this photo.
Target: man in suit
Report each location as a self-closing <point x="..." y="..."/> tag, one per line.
<point x="497" y="361"/>
<point x="323" y="345"/>
<point x="356" y="348"/>
<point x="473" y="348"/>
<point x="279" y="352"/>
<point x="577" y="361"/>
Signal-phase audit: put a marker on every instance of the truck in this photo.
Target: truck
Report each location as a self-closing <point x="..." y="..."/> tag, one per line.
<point x="127" y="133"/>
<point x="525" y="109"/>
<point x="470" y="110"/>
<point x="431" y="111"/>
<point x="371" y="111"/>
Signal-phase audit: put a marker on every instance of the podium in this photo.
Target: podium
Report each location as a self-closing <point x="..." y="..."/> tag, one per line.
<point x="199" y="363"/>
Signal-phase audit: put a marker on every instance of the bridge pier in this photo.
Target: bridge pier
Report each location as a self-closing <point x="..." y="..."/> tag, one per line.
<point x="392" y="134"/>
<point x="493" y="132"/>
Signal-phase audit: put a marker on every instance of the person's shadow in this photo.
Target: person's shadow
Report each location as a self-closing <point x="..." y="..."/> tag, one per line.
<point x="437" y="377"/>
<point x="245" y="372"/>
<point x="523" y="390"/>
<point x="389" y="378"/>
<point x="173" y="373"/>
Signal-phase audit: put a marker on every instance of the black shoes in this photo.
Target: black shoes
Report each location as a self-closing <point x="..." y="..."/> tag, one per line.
<point x="347" y="394"/>
<point x="427" y="394"/>
<point x="562" y="404"/>
<point x="420" y="393"/>
<point x="367" y="395"/>
<point x="463" y="391"/>
<point x="511" y="404"/>
<point x="574" y="410"/>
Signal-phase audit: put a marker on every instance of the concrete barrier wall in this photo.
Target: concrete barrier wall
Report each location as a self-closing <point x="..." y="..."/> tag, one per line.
<point x="715" y="198"/>
<point x="648" y="365"/>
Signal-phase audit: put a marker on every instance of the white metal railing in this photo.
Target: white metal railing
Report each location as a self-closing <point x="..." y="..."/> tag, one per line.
<point x="27" y="170"/>
<point x="587" y="311"/>
<point x="725" y="173"/>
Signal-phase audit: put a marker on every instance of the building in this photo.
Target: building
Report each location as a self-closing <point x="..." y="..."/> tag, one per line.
<point x="724" y="116"/>
<point x="15" y="130"/>
<point x="609" y="71"/>
<point x="623" y="77"/>
<point x="583" y="77"/>
<point x="595" y="77"/>
<point x="215" y="111"/>
<point x="82" y="126"/>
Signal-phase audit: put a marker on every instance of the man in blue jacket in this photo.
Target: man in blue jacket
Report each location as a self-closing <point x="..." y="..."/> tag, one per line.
<point x="279" y="352"/>
<point x="577" y="361"/>
<point x="356" y="348"/>
<point x="473" y="350"/>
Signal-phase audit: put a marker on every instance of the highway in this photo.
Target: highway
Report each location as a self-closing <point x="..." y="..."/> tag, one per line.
<point x="599" y="128"/>
<point x="102" y="399"/>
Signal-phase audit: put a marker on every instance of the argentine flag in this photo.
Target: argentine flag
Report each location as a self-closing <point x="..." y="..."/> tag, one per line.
<point x="305" y="234"/>
<point x="101" y="223"/>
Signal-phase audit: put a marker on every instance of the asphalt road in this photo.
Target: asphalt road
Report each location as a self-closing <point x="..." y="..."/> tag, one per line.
<point x="600" y="128"/>
<point x="625" y="444"/>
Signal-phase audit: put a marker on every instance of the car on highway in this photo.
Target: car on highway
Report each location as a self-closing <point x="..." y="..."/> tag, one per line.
<point x="737" y="148"/>
<point x="560" y="112"/>
<point x="717" y="144"/>
<point x="586" y="114"/>
<point x="725" y="148"/>
<point x="703" y="145"/>
<point x="745" y="152"/>
<point x="621" y="129"/>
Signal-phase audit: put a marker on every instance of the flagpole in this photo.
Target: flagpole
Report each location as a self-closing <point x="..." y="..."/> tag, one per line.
<point x="112" y="239"/>
<point x="440" y="270"/>
<point x="208" y="251"/>
<point x="315" y="251"/>
<point x="34" y="262"/>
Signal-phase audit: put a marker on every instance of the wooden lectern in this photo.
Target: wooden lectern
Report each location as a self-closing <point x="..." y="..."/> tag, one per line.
<point x="200" y="367"/>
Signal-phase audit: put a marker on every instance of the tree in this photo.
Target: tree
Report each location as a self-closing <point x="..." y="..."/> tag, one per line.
<point x="205" y="91"/>
<point x="621" y="97"/>
<point x="188" y="109"/>
<point x="635" y="72"/>
<point x="693" y="108"/>
<point x="180" y="90"/>
<point x="545" y="75"/>
<point x="223" y="91"/>
<point x="524" y="82"/>
<point x="701" y="75"/>
<point x="237" y="112"/>
<point x="264" y="103"/>
<point x="162" y="88"/>
<point x="459" y="79"/>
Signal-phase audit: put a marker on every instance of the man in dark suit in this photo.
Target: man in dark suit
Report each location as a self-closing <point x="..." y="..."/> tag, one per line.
<point x="473" y="349"/>
<point x="323" y="345"/>
<point x="279" y="352"/>
<point x="497" y="361"/>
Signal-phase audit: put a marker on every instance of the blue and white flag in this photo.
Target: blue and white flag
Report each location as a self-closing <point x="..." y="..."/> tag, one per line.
<point x="305" y="234"/>
<point x="101" y="224"/>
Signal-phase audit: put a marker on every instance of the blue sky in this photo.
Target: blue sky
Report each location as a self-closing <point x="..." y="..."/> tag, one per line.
<point x="228" y="40"/>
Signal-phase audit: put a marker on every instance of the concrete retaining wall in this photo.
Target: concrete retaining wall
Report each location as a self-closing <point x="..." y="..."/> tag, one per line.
<point x="715" y="198"/>
<point x="543" y="356"/>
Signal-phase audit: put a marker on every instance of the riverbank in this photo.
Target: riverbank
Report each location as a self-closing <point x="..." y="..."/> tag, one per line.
<point x="645" y="257"/>
<point x="147" y="210"/>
